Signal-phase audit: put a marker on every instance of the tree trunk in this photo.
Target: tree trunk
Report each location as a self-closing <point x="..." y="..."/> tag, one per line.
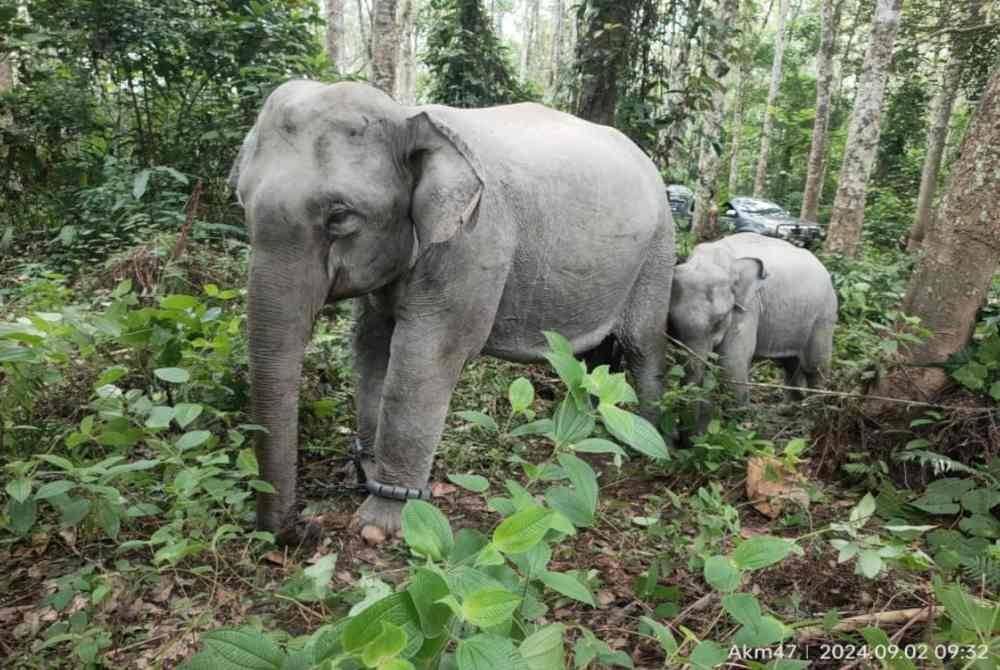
<point x="844" y="235"/>
<point x="385" y="45"/>
<point x="680" y="73"/>
<point x="737" y="139"/>
<point x="528" y="44"/>
<point x="335" y="32"/>
<point x="760" y="177"/>
<point x="406" y="83"/>
<point x="709" y="157"/>
<point x="557" y="46"/>
<point x="830" y="19"/>
<point x="601" y="58"/>
<point x="952" y="278"/>
<point x="937" y="134"/>
<point x="364" y="28"/>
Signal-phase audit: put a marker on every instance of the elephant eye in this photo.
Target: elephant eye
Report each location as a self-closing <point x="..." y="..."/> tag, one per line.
<point x="341" y="221"/>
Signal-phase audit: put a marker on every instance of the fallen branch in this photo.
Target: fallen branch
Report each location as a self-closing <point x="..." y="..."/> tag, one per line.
<point x="907" y="616"/>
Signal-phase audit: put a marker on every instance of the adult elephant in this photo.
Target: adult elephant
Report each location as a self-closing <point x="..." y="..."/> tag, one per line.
<point x="457" y="232"/>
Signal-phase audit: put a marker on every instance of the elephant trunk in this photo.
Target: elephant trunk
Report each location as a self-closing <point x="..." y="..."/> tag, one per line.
<point x="278" y="328"/>
<point x="701" y="410"/>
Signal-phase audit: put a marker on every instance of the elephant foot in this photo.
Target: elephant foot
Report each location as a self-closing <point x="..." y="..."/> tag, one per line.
<point x="383" y="514"/>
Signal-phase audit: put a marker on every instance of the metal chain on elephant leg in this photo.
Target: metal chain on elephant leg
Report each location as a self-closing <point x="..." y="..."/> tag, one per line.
<point x="377" y="488"/>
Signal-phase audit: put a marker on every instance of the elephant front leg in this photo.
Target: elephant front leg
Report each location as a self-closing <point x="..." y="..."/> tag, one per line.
<point x="372" y="340"/>
<point x="416" y="393"/>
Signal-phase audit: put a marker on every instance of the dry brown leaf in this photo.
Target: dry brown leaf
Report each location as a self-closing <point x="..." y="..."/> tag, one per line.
<point x="771" y="486"/>
<point x="605" y="598"/>
<point x="442" y="489"/>
<point x="276" y="557"/>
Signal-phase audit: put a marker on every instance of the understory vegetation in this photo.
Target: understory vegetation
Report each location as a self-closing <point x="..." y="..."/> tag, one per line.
<point x="574" y="536"/>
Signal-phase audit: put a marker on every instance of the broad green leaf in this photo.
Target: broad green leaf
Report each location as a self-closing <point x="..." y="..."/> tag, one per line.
<point x="761" y="551"/>
<point x="490" y="607"/>
<point x="967" y="612"/>
<point x="544" y="649"/>
<point x="484" y="421"/>
<point x="539" y="427"/>
<point x="661" y="633"/>
<point x="568" y="585"/>
<point x="52" y="489"/>
<point x="980" y="501"/>
<point x="192" y="439"/>
<point x="708" y="655"/>
<point x="950" y="488"/>
<point x="22" y="515"/>
<point x="519" y="533"/>
<point x="521" y="394"/>
<point x="743" y="607"/>
<point x="426" y="530"/>
<point x="722" y="574"/>
<point x="487" y="652"/>
<point x="111" y="375"/>
<point x="109" y="517"/>
<point x="584" y="481"/>
<point x="173" y="375"/>
<point x="534" y="561"/>
<point x="179" y="301"/>
<point x="597" y="445"/>
<point x="489" y="555"/>
<point x="634" y="431"/>
<point x="475" y="483"/>
<point x="610" y="388"/>
<point x="869" y="563"/>
<point x="557" y="342"/>
<point x="396" y="609"/>
<point x="374" y="589"/>
<point x="160" y="417"/>
<point x="19" y="489"/>
<point x="981" y="525"/>
<point x="570" y="424"/>
<point x="468" y="543"/>
<point x="567" y="502"/>
<point x="426" y="589"/>
<point x="387" y="645"/>
<point x="863" y="511"/>
<point x="186" y="412"/>
<point x="246" y="462"/>
<point x="313" y="583"/>
<point x="73" y="510"/>
<point x="244" y="648"/>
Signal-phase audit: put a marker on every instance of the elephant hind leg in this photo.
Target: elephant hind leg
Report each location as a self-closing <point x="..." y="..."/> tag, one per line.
<point x="795" y="378"/>
<point x="816" y="359"/>
<point x="642" y="332"/>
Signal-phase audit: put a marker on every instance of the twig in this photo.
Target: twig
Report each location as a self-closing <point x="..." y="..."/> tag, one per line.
<point x="926" y="612"/>
<point x="910" y="616"/>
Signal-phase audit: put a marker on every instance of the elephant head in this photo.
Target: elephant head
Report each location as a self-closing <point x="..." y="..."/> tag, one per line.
<point x="343" y="190"/>
<point x="710" y="296"/>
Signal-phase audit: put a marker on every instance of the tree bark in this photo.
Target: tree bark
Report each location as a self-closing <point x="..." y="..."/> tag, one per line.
<point x="760" y="176"/>
<point x="601" y="58"/>
<point x="737" y="134"/>
<point x="937" y="134"/>
<point x="709" y="156"/>
<point x="335" y="32"/>
<point x="680" y="74"/>
<point x="385" y="45"/>
<point x="530" y="29"/>
<point x="555" y="60"/>
<point x="406" y="81"/>
<point x="952" y="278"/>
<point x="830" y="20"/>
<point x="844" y="236"/>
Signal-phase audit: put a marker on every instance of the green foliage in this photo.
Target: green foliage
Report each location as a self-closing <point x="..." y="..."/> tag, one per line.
<point x="469" y="67"/>
<point x="977" y="367"/>
<point x="107" y="95"/>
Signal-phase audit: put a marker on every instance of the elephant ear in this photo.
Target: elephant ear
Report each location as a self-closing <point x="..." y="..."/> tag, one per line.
<point x="448" y="181"/>
<point x="247" y="150"/>
<point x="748" y="273"/>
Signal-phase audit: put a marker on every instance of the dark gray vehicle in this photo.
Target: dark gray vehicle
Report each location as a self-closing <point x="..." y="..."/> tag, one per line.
<point x="681" y="204"/>
<point x="752" y="215"/>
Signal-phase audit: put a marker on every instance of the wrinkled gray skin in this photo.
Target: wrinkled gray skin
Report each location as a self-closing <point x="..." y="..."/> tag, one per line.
<point x="457" y="232"/>
<point x="748" y="297"/>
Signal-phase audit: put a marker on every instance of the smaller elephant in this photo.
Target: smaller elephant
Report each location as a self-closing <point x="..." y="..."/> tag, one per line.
<point x="748" y="297"/>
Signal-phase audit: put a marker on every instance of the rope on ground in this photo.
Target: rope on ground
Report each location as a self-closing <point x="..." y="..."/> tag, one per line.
<point x="844" y="394"/>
